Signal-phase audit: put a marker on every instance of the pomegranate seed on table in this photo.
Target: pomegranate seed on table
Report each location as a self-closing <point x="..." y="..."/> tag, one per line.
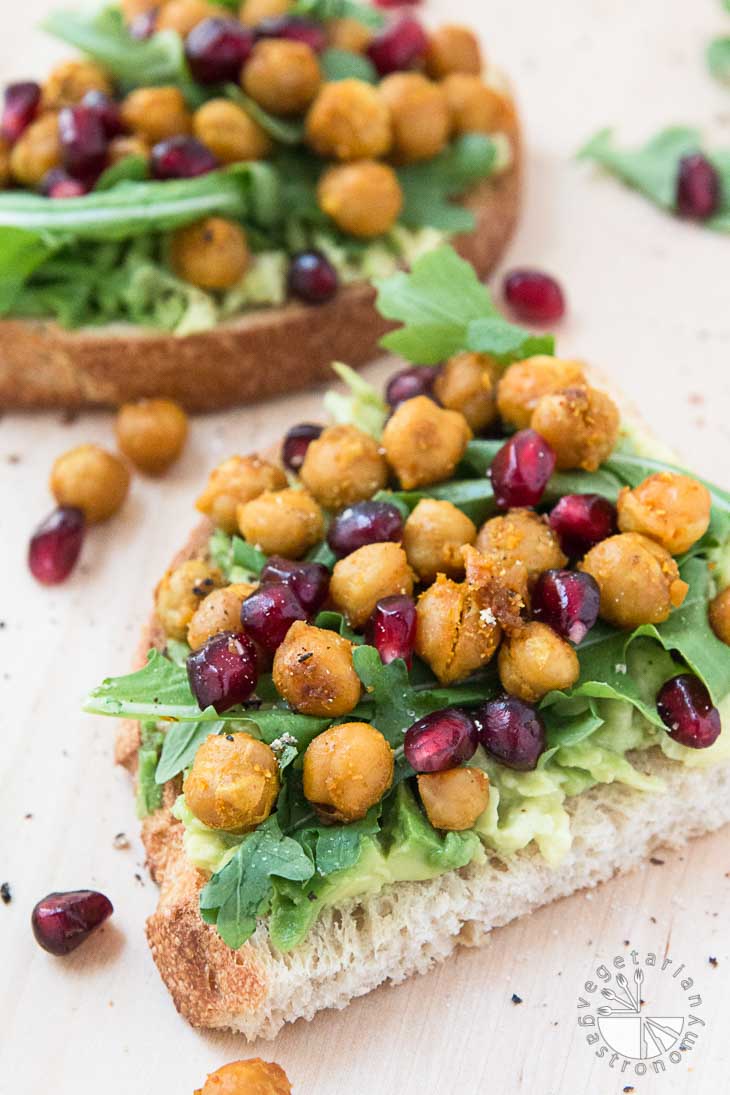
<point x="698" y="187"/>
<point x="144" y="25"/>
<point x="296" y="29"/>
<point x="267" y="614"/>
<point x="444" y="739"/>
<point x="217" y="49"/>
<point x="408" y="383"/>
<point x="310" y="581"/>
<point x="686" y="709"/>
<point x="106" y="110"/>
<point x="534" y="297"/>
<point x="182" y="158"/>
<point x="511" y="731"/>
<point x="297" y="441"/>
<point x="224" y="671"/>
<point x="83" y="141"/>
<point x="61" y="922"/>
<point x="521" y="470"/>
<point x="568" y="601"/>
<point x="312" y="277"/>
<point x="399" y="46"/>
<point x="392" y="629"/>
<point x="364" y="523"/>
<point x="580" y="521"/>
<point x="56" y="544"/>
<point x="22" y="103"/>
<point x="57" y="183"/>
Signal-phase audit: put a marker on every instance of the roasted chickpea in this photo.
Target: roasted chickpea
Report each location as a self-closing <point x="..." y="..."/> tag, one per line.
<point x="534" y="660"/>
<point x="638" y="579"/>
<point x="253" y="1077"/>
<point x="253" y="12"/>
<point x="230" y="133"/>
<point x="233" y="783"/>
<point x="521" y="545"/>
<point x="347" y="769"/>
<point x="283" y="522"/>
<point x="71" y="80"/>
<point x="4" y="163"/>
<point x="423" y="442"/>
<point x="281" y="75"/>
<point x="37" y="151"/>
<point x="156" y="113"/>
<point x="454" y="799"/>
<point x="181" y="592"/>
<point x="364" y="199"/>
<point x="419" y="115"/>
<point x="581" y="424"/>
<point x="184" y="15"/>
<point x="152" y="433"/>
<point x="219" y="611"/>
<point x="349" y="121"/>
<point x="456" y="633"/>
<point x="349" y="34"/>
<point x="132" y="8"/>
<point x="120" y="148"/>
<point x="343" y="465"/>
<point x="313" y="671"/>
<point x="719" y="613"/>
<point x="525" y="382"/>
<point x="92" y="479"/>
<point x="475" y="107"/>
<point x="433" y="537"/>
<point x="363" y="577"/>
<point x="453" y="49"/>
<point x="672" y="509"/>
<point x="212" y="253"/>
<point x="468" y="383"/>
<point x="236" y="480"/>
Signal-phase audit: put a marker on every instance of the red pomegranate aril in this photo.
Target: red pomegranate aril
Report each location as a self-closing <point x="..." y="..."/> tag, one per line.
<point x="296" y="29"/>
<point x="534" y="297"/>
<point x="396" y="3"/>
<point x="83" y="141"/>
<point x="399" y="46"/>
<point x="698" y="187"/>
<point x="521" y="470"/>
<point x="568" y="601"/>
<point x="444" y="739"/>
<point x="22" y="103"/>
<point x="106" y="110"/>
<point x="511" y="731"/>
<point x="296" y="443"/>
<point x="55" y="546"/>
<point x="409" y="383"/>
<point x="61" y="922"/>
<point x="182" y="158"/>
<point x="392" y="629"/>
<point x="217" y="49"/>
<point x="686" y="709"/>
<point x="224" y="671"/>
<point x="310" y="581"/>
<point x="267" y="614"/>
<point x="312" y="277"/>
<point x="580" y="521"/>
<point x="57" y="183"/>
<point x="364" y="523"/>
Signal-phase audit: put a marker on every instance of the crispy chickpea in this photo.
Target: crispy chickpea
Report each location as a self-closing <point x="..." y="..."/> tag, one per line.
<point x="233" y="783"/>
<point x="92" y="479"/>
<point x="313" y="671"/>
<point x="349" y="34"/>
<point x="71" y="80"/>
<point x="184" y="15"/>
<point x="37" y="151"/>
<point x="719" y="613"/>
<point x="219" y="611"/>
<point x="638" y="579"/>
<point x="282" y="76"/>
<point x="454" y="799"/>
<point x="343" y="465"/>
<point x="152" y="433"/>
<point x="230" y="133"/>
<point x="212" y="253"/>
<point x="581" y="424"/>
<point x="525" y="382"/>
<point x="534" y="660"/>
<point x="4" y="163"/>
<point x="236" y="480"/>
<point x="253" y="12"/>
<point x="363" y="577"/>
<point x="419" y="115"/>
<point x="252" y="1077"/>
<point x="453" y="49"/>
<point x="120" y="148"/>
<point x="455" y="632"/>
<point x="475" y="107"/>
<point x="349" y="121"/>
<point x="347" y="769"/>
<point x="156" y="113"/>
<point x="364" y="199"/>
<point x="424" y="442"/>
<point x="181" y="592"/>
<point x="521" y="545"/>
<point x="283" y="522"/>
<point x="672" y="509"/>
<point x="433" y="537"/>
<point x="468" y="383"/>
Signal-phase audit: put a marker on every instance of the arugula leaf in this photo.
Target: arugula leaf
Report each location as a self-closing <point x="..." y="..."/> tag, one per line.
<point x="652" y="169"/>
<point x="21" y="253"/>
<point x="325" y="10"/>
<point x="718" y="59"/>
<point x="248" y="556"/>
<point x="474" y="497"/>
<point x="286" y="132"/>
<point x="149" y="795"/>
<point x="181" y="742"/>
<point x="343" y="64"/>
<point x="322" y="553"/>
<point x="130" y="169"/>
<point x="335" y="621"/>
<point x="363" y="406"/>
<point x="427" y="187"/>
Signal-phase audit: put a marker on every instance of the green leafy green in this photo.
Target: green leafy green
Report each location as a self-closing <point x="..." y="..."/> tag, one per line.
<point x="362" y="405"/>
<point x="149" y="794"/>
<point x="286" y="132"/>
<point x="335" y="621"/>
<point x="181" y="742"/>
<point x="429" y="187"/>
<point x="325" y="10"/>
<point x="474" y="497"/>
<point x="343" y="64"/>
<point x="130" y="169"/>
<point x="248" y="556"/>
<point x="718" y="58"/>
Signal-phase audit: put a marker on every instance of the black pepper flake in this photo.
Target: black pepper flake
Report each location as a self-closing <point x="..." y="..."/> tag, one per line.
<point x="229" y="737"/>
<point x="627" y="942"/>
<point x="657" y="862"/>
<point x="516" y="999"/>
<point x="713" y="961"/>
<point x="5" y="893"/>
<point x="653" y="919"/>
<point x="305" y="657"/>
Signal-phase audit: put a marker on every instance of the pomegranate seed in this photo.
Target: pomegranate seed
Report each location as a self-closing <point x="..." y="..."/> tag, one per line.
<point x="106" y="110"/>
<point x="444" y="739"/>
<point x="56" y="544"/>
<point x="582" y="520"/>
<point x="296" y="443"/>
<point x="217" y="49"/>
<point x="267" y="614"/>
<point x="512" y="731"/>
<point x="521" y="470"/>
<point x="22" y="102"/>
<point x="144" y="25"/>
<point x="224" y="671"/>
<point x="62" y="921"/>
<point x="296" y="29"/>
<point x="312" y="277"/>
<point x="83" y="141"/>
<point x="568" y="601"/>
<point x="57" y="183"/>
<point x="408" y="383"/>
<point x="364" y="523"/>
<point x="392" y="629"/>
<point x="182" y="158"/>
<point x="396" y="3"/>
<point x="534" y="297"/>
<point x="399" y="46"/>
<point x="685" y="707"/>
<point x="310" y="581"/>
<point x="698" y="187"/>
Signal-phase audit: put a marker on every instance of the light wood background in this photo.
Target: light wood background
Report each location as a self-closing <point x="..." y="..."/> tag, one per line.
<point x="648" y="305"/>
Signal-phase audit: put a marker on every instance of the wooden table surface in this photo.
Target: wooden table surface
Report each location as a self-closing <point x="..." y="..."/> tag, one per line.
<point x="649" y="306"/>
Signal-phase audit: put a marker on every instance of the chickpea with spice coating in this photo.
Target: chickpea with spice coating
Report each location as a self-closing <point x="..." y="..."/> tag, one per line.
<point x="454" y="800"/>
<point x="475" y="107"/>
<point x="347" y="769"/>
<point x="452" y="48"/>
<point x="524" y="383"/>
<point x="152" y="433"/>
<point x="282" y="76"/>
<point x="364" y="199"/>
<point x="37" y="151"/>
<point x="184" y="15"/>
<point x="92" y="479"/>
<point x="456" y="633"/>
<point x="233" y="783"/>
<point x="253" y="12"/>
<point x="581" y="425"/>
<point x="237" y="480"/>
<point x="71" y="80"/>
<point x="521" y="544"/>
<point x="156" y="113"/>
<point x="349" y="34"/>
<point x="285" y="522"/>
<point x="468" y="383"/>
<point x="423" y="443"/>
<point x="419" y="115"/>
<point x="313" y="672"/>
<point x="671" y="508"/>
<point x="342" y="466"/>
<point x="638" y="579"/>
<point x="534" y="660"/>
<point x="219" y="611"/>
<point x="230" y="133"/>
<point x="719" y="615"/>
<point x="251" y="1077"/>
<point x="349" y="121"/>
<point x="181" y="592"/>
<point x="365" y="576"/>
<point x="212" y="254"/>
<point x="433" y="537"/>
